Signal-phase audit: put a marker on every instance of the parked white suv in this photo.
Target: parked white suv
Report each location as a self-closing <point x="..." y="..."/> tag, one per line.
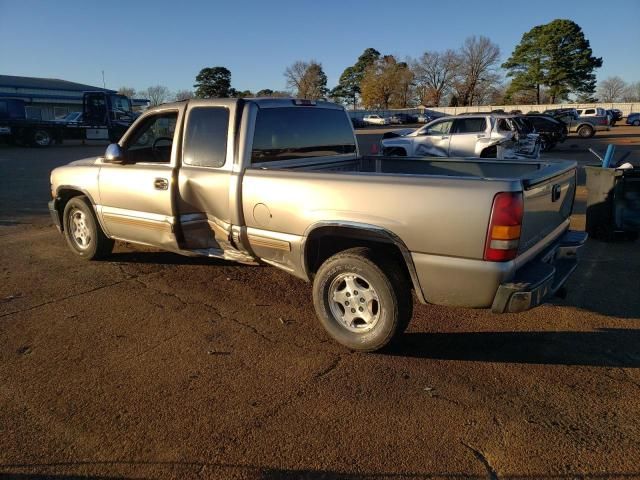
<point x="470" y="136"/>
<point x="375" y="119"/>
<point x="591" y="112"/>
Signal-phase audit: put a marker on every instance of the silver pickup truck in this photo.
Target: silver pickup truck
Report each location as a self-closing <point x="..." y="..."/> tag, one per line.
<point x="281" y="182"/>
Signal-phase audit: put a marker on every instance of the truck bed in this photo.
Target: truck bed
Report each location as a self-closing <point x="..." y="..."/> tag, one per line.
<point x="450" y="194"/>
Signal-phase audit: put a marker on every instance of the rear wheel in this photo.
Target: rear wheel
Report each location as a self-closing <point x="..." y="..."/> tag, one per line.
<point x="586" y="131"/>
<point x="82" y="231"/>
<point x="636" y="123"/>
<point x="362" y="300"/>
<point x="41" y="137"/>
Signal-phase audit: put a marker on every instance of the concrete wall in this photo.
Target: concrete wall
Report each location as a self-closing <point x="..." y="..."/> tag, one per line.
<point x="626" y="109"/>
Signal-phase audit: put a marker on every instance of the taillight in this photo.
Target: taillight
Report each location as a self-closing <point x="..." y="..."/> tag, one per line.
<point x="503" y="234"/>
<point x="375" y="148"/>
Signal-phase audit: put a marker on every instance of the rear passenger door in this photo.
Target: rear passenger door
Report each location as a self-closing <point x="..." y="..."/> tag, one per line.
<point x="465" y="135"/>
<point x="205" y="199"/>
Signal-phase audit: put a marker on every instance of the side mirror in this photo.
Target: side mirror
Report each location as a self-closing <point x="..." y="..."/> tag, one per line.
<point x="114" y="154"/>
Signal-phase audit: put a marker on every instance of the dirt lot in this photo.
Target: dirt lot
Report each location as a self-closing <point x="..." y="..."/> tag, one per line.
<point x="151" y="365"/>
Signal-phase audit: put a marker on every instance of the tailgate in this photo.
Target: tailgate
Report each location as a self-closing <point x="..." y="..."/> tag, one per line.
<point x="547" y="204"/>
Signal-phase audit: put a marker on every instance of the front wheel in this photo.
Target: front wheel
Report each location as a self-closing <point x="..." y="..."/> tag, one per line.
<point x="82" y="231"/>
<point x="362" y="300"/>
<point x="636" y="123"/>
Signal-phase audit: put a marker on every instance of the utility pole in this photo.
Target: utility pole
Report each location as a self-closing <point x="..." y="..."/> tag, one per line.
<point x="103" y="84"/>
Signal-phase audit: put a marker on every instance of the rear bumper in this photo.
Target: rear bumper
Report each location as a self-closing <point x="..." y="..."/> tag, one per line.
<point x="540" y="278"/>
<point x="55" y="215"/>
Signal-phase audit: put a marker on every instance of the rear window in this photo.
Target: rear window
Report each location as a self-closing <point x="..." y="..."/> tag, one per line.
<point x="301" y="132"/>
<point x="205" y="143"/>
<point x="470" y="125"/>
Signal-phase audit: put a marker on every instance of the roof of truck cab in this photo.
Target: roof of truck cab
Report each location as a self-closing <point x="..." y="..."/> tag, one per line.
<point x="262" y="102"/>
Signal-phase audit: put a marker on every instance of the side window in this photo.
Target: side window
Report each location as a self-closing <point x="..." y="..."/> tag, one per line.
<point x="439" y="128"/>
<point x="152" y="140"/>
<point x="590" y="111"/>
<point x="205" y="143"/>
<point x="470" y="125"/>
<point x="503" y="125"/>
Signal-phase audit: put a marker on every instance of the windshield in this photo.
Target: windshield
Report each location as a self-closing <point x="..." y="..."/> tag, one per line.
<point x="120" y="102"/>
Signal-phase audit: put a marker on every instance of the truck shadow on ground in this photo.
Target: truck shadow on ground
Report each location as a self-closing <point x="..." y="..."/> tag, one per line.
<point x="607" y="347"/>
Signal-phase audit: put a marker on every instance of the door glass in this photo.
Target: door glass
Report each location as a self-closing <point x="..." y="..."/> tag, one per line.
<point x="152" y="140"/>
<point x="205" y="143"/>
<point x="440" y="128"/>
<point x="470" y="125"/>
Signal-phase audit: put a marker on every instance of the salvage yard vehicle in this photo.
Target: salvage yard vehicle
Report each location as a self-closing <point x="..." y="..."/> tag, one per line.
<point x="476" y="135"/>
<point x="551" y="130"/>
<point x="281" y="182"/>
<point x="374" y="119"/>
<point x="585" y="127"/>
<point x="633" y="119"/>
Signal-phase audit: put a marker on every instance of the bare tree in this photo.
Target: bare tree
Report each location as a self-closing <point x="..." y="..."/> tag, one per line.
<point x="631" y="93"/>
<point x="612" y="89"/>
<point x="156" y="95"/>
<point x="434" y="75"/>
<point x="479" y="57"/>
<point x="184" y="95"/>
<point x="307" y="79"/>
<point x="127" y="91"/>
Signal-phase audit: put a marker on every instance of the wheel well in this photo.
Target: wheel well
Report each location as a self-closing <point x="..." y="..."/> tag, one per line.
<point x="489" y="152"/>
<point x="325" y="242"/>
<point x="397" y="151"/>
<point x="63" y="197"/>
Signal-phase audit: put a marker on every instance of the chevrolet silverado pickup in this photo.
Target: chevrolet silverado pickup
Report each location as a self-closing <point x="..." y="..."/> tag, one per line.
<point x="281" y="182"/>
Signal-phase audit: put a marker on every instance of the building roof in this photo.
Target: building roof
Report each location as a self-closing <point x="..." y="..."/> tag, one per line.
<point x="12" y="81"/>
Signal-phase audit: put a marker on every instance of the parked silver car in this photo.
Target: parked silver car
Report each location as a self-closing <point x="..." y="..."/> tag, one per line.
<point x="470" y="136"/>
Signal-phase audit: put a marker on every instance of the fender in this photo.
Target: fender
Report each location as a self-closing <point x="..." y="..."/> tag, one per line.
<point x="86" y="194"/>
<point x="365" y="231"/>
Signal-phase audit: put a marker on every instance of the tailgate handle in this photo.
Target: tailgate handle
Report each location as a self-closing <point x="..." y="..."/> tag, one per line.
<point x="555" y="192"/>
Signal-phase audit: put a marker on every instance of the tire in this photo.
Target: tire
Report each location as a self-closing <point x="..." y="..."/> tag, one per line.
<point x="41" y="138"/>
<point x="636" y="123"/>
<point x="382" y="294"/>
<point x="82" y="231"/>
<point x="586" y="131"/>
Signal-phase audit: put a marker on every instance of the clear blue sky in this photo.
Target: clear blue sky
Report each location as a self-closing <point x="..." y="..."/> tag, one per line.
<point x="139" y="44"/>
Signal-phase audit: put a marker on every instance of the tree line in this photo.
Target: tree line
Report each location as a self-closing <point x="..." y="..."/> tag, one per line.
<point x="552" y="63"/>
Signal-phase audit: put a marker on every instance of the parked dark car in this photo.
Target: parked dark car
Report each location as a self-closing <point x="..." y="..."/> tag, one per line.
<point x="358" y="123"/>
<point x="551" y="130"/>
<point x="615" y="115"/>
<point x="633" y="119"/>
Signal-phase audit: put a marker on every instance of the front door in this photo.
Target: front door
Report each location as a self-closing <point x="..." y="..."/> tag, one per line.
<point x="136" y="198"/>
<point x="433" y="139"/>
<point x="465" y="135"/>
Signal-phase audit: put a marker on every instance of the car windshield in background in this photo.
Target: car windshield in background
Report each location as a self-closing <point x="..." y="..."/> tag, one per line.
<point x="301" y="132"/>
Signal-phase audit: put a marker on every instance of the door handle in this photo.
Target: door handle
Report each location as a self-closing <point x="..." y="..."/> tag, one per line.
<point x="161" y="184"/>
